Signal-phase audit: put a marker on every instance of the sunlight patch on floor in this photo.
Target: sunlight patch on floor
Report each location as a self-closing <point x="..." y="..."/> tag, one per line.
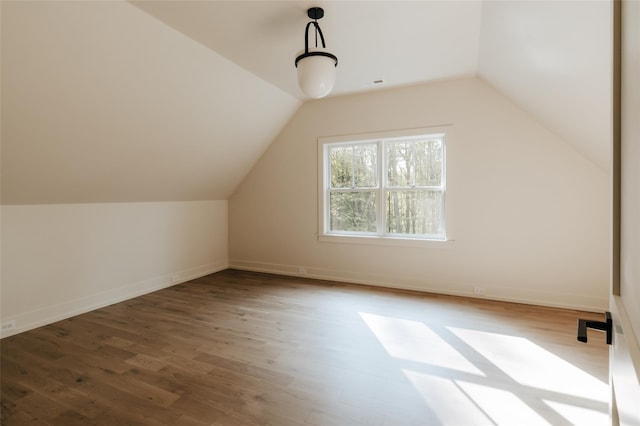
<point x="502" y="380"/>
<point x="503" y="407"/>
<point x="579" y="415"/>
<point x="447" y="400"/>
<point x="414" y="341"/>
<point x="530" y="365"/>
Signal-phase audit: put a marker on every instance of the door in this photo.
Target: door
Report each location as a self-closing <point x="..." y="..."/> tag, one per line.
<point x="625" y="291"/>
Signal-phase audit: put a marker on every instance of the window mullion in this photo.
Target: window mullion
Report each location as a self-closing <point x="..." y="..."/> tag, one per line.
<point x="382" y="185"/>
<point x="326" y="185"/>
<point x="412" y="165"/>
<point x="348" y="208"/>
<point x="353" y="166"/>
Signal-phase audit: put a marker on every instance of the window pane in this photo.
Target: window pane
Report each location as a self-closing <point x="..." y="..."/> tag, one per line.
<point x="428" y="155"/>
<point x="353" y="166"/>
<point x="353" y="211"/>
<point x="341" y="158"/>
<point x="399" y="163"/>
<point x="364" y="165"/>
<point x="414" y="212"/>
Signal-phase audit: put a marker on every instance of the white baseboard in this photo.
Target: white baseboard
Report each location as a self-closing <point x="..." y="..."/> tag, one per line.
<point x="499" y="293"/>
<point x="50" y="314"/>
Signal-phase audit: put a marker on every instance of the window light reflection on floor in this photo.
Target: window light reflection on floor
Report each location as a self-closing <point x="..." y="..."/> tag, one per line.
<point x="414" y="341"/>
<point x="448" y="402"/>
<point x="580" y="415"/>
<point x="457" y="402"/>
<point x="475" y="377"/>
<point x="502" y="406"/>
<point x="530" y="365"/>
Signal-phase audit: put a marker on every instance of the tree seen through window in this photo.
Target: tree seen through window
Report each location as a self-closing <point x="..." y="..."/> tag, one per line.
<point x="405" y="175"/>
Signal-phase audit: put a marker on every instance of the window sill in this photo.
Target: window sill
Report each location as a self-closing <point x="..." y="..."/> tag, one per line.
<point x="386" y="241"/>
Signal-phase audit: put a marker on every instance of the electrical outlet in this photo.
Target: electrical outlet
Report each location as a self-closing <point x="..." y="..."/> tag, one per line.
<point x="9" y="325"/>
<point x="302" y="271"/>
<point x="479" y="290"/>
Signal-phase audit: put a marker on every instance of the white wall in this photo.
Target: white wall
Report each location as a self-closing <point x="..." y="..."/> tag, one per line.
<point x="65" y="259"/>
<point x="630" y="174"/>
<point x="530" y="214"/>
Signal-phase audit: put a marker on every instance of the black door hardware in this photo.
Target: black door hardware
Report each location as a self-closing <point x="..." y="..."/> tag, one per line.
<point x="606" y="326"/>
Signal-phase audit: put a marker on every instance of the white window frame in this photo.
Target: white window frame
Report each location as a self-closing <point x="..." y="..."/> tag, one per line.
<point x="379" y="237"/>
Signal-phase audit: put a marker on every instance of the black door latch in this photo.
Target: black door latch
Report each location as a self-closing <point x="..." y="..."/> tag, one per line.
<point x="606" y="326"/>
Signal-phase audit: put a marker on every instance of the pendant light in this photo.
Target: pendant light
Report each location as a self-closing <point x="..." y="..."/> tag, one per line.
<point x="316" y="67"/>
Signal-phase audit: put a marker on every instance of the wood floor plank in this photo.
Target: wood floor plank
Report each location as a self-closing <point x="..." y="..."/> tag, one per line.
<point x="240" y="348"/>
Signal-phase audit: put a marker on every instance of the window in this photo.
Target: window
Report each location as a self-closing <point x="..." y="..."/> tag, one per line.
<point x="389" y="187"/>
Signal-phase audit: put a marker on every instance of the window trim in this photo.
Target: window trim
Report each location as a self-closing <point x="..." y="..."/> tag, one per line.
<point x="369" y="238"/>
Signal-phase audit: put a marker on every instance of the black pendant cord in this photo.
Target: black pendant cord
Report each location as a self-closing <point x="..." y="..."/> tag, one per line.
<point x="306" y="36"/>
<point x="315" y="14"/>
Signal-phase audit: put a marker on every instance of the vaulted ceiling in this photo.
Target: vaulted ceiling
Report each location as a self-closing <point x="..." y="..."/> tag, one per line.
<point x="399" y="42"/>
<point x="177" y="100"/>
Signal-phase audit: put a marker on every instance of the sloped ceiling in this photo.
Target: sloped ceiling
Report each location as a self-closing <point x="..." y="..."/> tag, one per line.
<point x="103" y="103"/>
<point x="176" y="100"/>
<point x="554" y="58"/>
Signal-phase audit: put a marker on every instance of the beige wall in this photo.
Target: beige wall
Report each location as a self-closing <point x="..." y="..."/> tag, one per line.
<point x="62" y="260"/>
<point x="529" y="213"/>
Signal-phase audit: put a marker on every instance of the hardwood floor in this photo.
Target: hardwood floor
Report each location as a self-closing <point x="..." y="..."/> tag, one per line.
<point x="239" y="348"/>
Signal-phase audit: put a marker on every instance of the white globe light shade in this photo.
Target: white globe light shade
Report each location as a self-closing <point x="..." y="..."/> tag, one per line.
<point x="316" y="74"/>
